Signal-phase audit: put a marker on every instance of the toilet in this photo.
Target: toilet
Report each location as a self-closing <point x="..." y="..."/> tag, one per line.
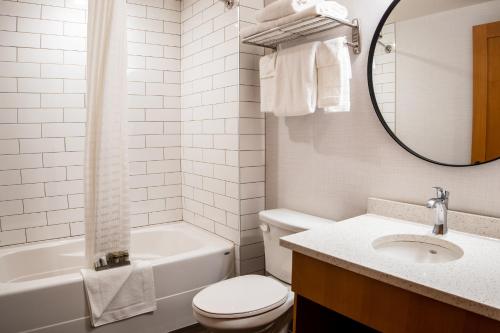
<point x="256" y="303"/>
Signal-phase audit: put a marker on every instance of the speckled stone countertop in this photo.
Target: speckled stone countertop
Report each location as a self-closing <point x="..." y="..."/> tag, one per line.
<point x="471" y="282"/>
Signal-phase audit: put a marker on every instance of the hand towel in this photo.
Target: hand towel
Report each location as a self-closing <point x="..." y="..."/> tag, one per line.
<point x="334" y="75"/>
<point x="282" y="8"/>
<point x="327" y="8"/>
<point x="268" y="82"/>
<point x="296" y="88"/>
<point x="119" y="293"/>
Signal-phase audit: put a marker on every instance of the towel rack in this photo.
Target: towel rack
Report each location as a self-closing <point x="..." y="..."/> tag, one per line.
<point x="304" y="27"/>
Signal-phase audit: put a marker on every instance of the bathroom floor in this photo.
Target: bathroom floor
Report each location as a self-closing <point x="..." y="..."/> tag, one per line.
<point x="192" y="329"/>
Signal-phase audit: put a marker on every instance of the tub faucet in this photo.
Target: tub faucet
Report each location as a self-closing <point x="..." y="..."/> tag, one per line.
<point x="440" y="203"/>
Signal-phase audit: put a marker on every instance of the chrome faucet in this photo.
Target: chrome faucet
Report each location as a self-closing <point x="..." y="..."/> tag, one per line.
<point x="440" y="203"/>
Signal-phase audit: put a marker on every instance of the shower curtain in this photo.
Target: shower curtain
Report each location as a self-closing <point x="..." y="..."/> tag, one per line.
<point x="107" y="223"/>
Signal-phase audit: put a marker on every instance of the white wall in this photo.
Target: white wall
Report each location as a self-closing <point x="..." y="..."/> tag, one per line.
<point x="42" y="116"/>
<point x="329" y="164"/>
<point x="222" y="129"/>
<point x="434" y="81"/>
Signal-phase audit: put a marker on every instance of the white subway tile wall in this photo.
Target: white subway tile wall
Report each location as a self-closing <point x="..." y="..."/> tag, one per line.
<point x="251" y="157"/>
<point x="223" y="163"/>
<point x="42" y="116"/>
<point x="384" y="76"/>
<point x="212" y="120"/>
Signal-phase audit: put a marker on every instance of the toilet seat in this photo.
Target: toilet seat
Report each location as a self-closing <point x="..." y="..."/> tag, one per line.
<point x="257" y="323"/>
<point x="240" y="297"/>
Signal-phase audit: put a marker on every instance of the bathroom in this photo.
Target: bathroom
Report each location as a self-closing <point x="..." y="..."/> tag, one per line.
<point x="211" y="178"/>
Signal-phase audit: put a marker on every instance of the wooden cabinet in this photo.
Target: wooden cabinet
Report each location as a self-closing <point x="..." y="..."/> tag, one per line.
<point x="333" y="299"/>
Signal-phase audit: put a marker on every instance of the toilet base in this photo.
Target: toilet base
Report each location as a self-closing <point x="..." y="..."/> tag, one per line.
<point x="283" y="324"/>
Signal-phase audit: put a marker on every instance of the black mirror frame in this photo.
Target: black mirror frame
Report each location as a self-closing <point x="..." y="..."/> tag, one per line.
<point x="374" y="99"/>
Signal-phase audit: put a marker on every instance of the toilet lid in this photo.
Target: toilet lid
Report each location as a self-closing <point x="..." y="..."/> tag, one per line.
<point x="239" y="297"/>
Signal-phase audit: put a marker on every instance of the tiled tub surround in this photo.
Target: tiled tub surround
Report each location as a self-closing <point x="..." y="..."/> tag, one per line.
<point x="252" y="159"/>
<point x="42" y="116"/>
<point x="223" y="164"/>
<point x="222" y="143"/>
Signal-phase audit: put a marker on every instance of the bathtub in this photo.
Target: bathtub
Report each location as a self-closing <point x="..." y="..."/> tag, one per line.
<point x="41" y="289"/>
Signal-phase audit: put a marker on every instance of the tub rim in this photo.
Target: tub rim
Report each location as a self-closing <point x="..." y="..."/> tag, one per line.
<point x="212" y="243"/>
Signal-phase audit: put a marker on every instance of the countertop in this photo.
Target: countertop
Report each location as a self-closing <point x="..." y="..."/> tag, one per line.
<point x="471" y="282"/>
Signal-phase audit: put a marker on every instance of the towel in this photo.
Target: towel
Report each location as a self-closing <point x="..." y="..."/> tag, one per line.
<point x="282" y="8"/>
<point x="296" y="88"/>
<point x="119" y="293"/>
<point x="325" y="8"/>
<point x="334" y="75"/>
<point x="268" y="82"/>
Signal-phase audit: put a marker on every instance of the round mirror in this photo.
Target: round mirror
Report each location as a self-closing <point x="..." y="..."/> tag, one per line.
<point x="434" y="77"/>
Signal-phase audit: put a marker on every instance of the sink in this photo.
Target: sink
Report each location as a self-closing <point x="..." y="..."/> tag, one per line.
<point x="417" y="248"/>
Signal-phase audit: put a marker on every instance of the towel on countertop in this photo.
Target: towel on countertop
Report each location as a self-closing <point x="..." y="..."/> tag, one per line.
<point x="334" y="75"/>
<point x="268" y="82"/>
<point x="119" y="293"/>
<point x="296" y="80"/>
<point x="328" y="8"/>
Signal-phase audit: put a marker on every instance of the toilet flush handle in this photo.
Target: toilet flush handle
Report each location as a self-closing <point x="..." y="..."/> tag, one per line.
<point x="264" y="227"/>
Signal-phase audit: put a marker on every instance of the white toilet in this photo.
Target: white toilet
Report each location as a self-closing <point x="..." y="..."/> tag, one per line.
<point x="255" y="303"/>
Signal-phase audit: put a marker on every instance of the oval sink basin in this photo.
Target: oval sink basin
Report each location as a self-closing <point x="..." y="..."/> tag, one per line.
<point x="417" y="249"/>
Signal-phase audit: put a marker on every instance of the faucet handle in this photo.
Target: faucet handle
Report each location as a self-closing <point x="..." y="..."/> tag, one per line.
<point x="441" y="193"/>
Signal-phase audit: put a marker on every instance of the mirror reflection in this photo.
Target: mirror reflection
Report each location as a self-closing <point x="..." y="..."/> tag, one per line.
<point x="436" y="78"/>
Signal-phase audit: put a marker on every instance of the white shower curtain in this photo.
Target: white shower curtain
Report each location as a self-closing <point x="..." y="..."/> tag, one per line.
<point x="107" y="224"/>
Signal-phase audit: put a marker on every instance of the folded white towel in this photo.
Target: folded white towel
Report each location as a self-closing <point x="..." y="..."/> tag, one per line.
<point x="282" y="8"/>
<point x="334" y="75"/>
<point x="268" y="82"/>
<point x="119" y="293"/>
<point x="327" y="8"/>
<point x="296" y="88"/>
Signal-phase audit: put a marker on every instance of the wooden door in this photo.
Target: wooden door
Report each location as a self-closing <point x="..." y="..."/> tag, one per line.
<point x="486" y="100"/>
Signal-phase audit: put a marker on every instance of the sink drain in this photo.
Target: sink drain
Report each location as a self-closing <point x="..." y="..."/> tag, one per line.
<point x="432" y="251"/>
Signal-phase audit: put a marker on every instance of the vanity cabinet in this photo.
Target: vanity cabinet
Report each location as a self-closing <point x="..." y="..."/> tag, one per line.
<point x="332" y="299"/>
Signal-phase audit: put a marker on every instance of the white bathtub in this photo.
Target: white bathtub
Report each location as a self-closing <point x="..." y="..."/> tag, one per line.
<point x="41" y="289"/>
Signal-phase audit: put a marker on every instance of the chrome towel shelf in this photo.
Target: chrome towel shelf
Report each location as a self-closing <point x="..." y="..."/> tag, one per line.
<point x="304" y="27"/>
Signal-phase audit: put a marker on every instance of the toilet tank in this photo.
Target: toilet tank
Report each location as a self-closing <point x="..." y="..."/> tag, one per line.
<point x="276" y="223"/>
